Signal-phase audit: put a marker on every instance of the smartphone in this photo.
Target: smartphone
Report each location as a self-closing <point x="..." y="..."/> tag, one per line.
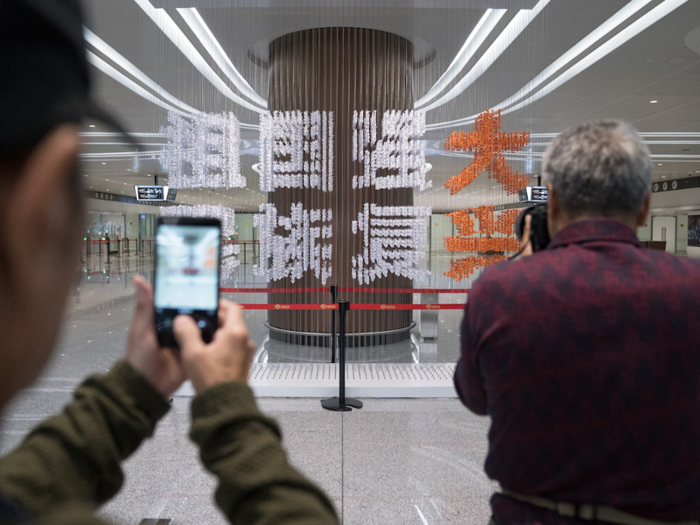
<point x="188" y="255"/>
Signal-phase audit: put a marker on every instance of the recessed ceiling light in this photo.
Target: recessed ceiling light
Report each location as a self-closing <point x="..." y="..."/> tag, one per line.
<point x="660" y="164"/>
<point x="128" y="169"/>
<point x="104" y="163"/>
<point x="663" y="176"/>
<point x="653" y="101"/>
<point x="92" y="125"/>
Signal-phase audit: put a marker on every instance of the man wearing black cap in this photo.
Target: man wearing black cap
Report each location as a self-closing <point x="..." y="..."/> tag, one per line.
<point x="70" y="464"/>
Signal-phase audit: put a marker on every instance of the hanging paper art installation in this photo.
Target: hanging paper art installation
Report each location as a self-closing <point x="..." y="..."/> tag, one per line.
<point x="488" y="144"/>
<point x="394" y="238"/>
<point x="296" y="150"/>
<point x="303" y="248"/>
<point x="227" y="216"/>
<point x="481" y="239"/>
<point x="397" y="149"/>
<point x="203" y="151"/>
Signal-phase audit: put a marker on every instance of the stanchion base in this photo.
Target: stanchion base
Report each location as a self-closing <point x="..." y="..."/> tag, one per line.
<point x="333" y="403"/>
<point x="352" y="402"/>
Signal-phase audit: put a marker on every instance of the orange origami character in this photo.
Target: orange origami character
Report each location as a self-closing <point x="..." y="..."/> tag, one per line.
<point x="488" y="145"/>
<point x="492" y="247"/>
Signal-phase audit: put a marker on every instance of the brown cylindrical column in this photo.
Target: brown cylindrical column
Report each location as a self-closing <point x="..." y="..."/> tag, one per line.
<point x="341" y="70"/>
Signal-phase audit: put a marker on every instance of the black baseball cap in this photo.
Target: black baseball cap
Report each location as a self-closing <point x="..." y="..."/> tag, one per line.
<point x="45" y="73"/>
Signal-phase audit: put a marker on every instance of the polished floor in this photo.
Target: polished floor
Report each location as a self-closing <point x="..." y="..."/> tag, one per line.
<point x="392" y="462"/>
<point x="396" y="461"/>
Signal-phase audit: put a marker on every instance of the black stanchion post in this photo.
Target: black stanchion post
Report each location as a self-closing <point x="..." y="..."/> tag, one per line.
<point x="341" y="403"/>
<point x="334" y="299"/>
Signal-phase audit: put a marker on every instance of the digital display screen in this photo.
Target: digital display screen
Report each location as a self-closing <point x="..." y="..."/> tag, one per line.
<point x="150" y="193"/>
<point x="694" y="230"/>
<point x="537" y="193"/>
<point x="187" y="268"/>
<point x="533" y="194"/>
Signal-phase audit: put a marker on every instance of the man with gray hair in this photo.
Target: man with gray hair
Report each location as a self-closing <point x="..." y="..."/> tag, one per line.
<point x="585" y="355"/>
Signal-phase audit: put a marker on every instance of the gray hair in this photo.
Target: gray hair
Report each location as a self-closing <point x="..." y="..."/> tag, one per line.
<point x="599" y="169"/>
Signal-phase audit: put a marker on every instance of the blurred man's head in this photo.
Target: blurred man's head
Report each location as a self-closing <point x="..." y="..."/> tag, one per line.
<point x="43" y="99"/>
<point x="597" y="169"/>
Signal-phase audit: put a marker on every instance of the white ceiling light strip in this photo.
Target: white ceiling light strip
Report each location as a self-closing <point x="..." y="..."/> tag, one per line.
<point x="622" y="37"/>
<point x="607" y="27"/>
<point x="114" y="134"/>
<point x="621" y="16"/>
<point x="111" y="53"/>
<point x="525" y="156"/>
<point x="122" y="144"/>
<point x="121" y="154"/>
<point x="686" y="134"/>
<point x="127" y="82"/>
<point x="505" y="39"/>
<point x="211" y="44"/>
<point x="471" y="45"/>
<point x="672" y="142"/>
<point x="671" y="134"/>
<point x="175" y="34"/>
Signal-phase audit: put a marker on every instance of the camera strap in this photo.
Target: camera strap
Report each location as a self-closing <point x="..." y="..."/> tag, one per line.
<point x="590" y="512"/>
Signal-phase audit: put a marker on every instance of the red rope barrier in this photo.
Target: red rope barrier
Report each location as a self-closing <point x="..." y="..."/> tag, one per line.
<point x="274" y="290"/>
<point x="404" y="290"/>
<point x="353" y="306"/>
<point x="451" y="306"/>
<point x="289" y="306"/>
<point x="327" y="290"/>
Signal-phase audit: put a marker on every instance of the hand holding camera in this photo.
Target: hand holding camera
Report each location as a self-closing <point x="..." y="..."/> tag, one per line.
<point x="531" y="229"/>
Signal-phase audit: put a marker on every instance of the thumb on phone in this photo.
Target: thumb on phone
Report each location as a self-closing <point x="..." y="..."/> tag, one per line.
<point x="187" y="334"/>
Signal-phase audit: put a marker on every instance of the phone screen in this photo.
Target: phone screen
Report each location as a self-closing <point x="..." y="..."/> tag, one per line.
<point x="187" y="274"/>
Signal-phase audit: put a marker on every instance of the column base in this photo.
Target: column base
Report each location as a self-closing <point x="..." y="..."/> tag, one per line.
<point x="358" y="340"/>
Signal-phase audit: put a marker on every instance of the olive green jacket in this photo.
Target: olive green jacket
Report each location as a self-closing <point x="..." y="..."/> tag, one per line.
<point x="70" y="464"/>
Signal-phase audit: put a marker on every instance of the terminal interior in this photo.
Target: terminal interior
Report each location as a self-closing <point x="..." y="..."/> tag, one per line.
<point x="413" y="454"/>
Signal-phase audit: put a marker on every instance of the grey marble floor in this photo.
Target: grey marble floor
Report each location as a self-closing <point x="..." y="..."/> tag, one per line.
<point x="397" y="461"/>
<point x="392" y="462"/>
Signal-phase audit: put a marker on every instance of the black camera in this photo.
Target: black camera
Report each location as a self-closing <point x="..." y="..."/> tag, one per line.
<point x="539" y="234"/>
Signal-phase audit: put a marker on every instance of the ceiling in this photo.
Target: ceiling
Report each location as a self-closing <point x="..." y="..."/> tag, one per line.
<point x="547" y="64"/>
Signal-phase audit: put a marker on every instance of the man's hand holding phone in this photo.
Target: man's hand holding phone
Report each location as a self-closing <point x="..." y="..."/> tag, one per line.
<point x="160" y="366"/>
<point x="227" y="358"/>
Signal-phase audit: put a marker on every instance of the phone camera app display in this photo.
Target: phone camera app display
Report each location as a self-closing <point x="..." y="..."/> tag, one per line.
<point x="186" y="277"/>
<point x="187" y="273"/>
